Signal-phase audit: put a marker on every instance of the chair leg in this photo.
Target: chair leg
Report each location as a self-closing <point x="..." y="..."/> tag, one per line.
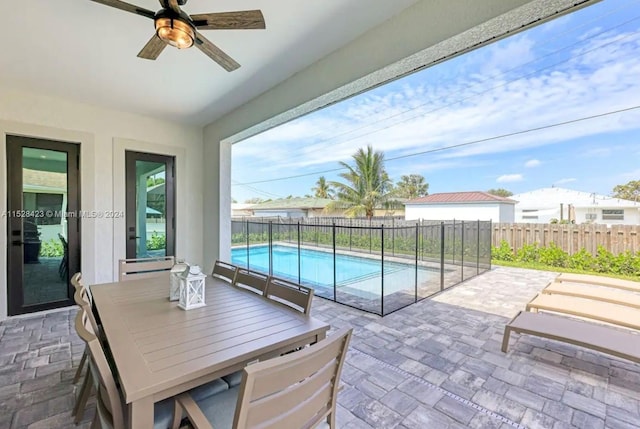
<point x="177" y="415"/>
<point x="80" y="366"/>
<point x="81" y="401"/>
<point x="95" y="424"/>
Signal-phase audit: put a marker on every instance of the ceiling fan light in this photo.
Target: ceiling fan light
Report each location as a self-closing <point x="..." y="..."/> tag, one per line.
<point x="175" y="32"/>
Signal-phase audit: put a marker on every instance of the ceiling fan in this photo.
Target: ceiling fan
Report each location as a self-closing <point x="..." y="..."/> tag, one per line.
<point x="176" y="28"/>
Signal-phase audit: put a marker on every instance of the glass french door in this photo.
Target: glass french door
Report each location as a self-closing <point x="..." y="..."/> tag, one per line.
<point x="43" y="228"/>
<point x="150" y="205"/>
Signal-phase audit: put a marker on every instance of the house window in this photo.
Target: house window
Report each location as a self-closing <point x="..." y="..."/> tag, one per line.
<point x="529" y="217"/>
<point x="613" y="214"/>
<point x="591" y="216"/>
<point x="529" y="210"/>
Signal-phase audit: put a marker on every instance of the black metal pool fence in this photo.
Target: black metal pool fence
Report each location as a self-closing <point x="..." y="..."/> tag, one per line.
<point x="394" y="266"/>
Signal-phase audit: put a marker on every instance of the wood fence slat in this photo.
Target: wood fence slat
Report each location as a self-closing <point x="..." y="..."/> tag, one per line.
<point x="570" y="238"/>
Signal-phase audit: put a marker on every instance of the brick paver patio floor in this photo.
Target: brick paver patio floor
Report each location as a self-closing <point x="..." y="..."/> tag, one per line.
<point x="435" y="364"/>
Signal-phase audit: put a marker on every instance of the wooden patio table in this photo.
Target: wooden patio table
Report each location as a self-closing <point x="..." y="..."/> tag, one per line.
<point x="161" y="350"/>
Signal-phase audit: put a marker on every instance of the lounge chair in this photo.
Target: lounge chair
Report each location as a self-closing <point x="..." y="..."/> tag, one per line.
<point x="629" y="285"/>
<point x="604" y="294"/>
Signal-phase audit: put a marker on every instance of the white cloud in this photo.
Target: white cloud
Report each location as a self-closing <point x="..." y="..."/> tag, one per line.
<point x="564" y="181"/>
<point x="509" y="178"/>
<point x="426" y="115"/>
<point x="532" y="163"/>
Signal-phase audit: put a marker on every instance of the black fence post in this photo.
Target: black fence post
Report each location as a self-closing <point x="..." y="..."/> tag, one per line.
<point x="270" y="248"/>
<point x="350" y="232"/>
<point x="462" y="251"/>
<point x="248" y="242"/>
<point x="490" y="239"/>
<point x="442" y="256"/>
<point x="370" y="235"/>
<point x="478" y="249"/>
<point x="453" y="251"/>
<point x="299" y="257"/>
<point x="382" y="270"/>
<point x="393" y="237"/>
<point x="334" y="262"/>
<point x="417" y="235"/>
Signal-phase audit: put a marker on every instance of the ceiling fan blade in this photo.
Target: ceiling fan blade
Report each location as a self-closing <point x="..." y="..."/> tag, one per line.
<point x="215" y="53"/>
<point x="240" y="20"/>
<point x="152" y="49"/>
<point x="127" y="7"/>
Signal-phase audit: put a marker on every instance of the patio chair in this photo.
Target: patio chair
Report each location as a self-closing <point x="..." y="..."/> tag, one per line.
<point x="76" y="282"/>
<point x="595" y="292"/>
<point x="291" y="294"/>
<point x="629" y="285"/>
<point x="109" y="407"/>
<point x="144" y="268"/>
<point x="88" y="384"/>
<point x="251" y="280"/>
<point x="224" y="271"/>
<point x="298" y="390"/>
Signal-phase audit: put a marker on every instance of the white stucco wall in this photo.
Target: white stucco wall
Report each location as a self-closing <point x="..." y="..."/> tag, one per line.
<point x="422" y="35"/>
<point x="544" y="215"/>
<point x="507" y="213"/>
<point x="103" y="136"/>
<point x="475" y="211"/>
<point x="631" y="216"/>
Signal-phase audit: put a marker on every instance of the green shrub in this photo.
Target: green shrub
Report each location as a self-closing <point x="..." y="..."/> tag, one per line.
<point x="626" y="264"/>
<point x="51" y="249"/>
<point x="581" y="260"/>
<point x="552" y="256"/>
<point x="503" y="252"/>
<point x="157" y="241"/>
<point x="528" y="253"/>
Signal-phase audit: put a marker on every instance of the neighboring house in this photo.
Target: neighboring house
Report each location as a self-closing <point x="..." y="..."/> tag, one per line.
<point x="461" y="206"/>
<point x="46" y="191"/>
<point x="292" y="207"/>
<point x="241" y="209"/>
<point x="543" y="205"/>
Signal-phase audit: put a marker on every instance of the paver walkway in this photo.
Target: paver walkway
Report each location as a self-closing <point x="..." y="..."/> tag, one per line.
<point x="435" y="364"/>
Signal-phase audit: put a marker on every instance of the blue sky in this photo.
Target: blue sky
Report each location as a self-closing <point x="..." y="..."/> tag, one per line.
<point x="577" y="66"/>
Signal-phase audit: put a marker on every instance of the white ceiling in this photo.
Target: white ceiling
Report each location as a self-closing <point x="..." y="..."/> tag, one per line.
<point x="85" y="51"/>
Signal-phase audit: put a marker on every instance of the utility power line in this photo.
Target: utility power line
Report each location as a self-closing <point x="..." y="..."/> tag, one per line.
<point x="466" y="98"/>
<point x="469" y="143"/>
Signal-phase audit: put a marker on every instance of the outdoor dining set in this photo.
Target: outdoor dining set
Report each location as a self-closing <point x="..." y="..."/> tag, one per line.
<point x="250" y="356"/>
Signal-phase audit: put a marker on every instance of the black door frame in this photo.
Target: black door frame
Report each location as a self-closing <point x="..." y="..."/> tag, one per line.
<point x="130" y="209"/>
<point x="15" y="255"/>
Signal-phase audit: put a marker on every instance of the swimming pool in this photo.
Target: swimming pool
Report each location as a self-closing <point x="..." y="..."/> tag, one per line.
<point x="360" y="276"/>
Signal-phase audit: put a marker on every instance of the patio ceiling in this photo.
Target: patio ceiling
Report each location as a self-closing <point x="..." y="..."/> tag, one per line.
<point x="81" y="50"/>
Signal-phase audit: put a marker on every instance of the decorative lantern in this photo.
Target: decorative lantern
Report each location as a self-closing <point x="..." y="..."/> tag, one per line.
<point x="179" y="269"/>
<point x="192" y="289"/>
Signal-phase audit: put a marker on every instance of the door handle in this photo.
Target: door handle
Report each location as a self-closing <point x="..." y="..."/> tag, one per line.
<point x="133" y="237"/>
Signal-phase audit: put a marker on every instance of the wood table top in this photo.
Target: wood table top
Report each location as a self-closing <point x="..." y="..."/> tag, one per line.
<point x="157" y="346"/>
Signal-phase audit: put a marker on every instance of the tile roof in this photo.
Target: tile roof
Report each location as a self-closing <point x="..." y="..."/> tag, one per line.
<point x="460" y="197"/>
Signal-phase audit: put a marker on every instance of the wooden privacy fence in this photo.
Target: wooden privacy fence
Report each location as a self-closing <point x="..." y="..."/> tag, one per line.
<point x="570" y="238"/>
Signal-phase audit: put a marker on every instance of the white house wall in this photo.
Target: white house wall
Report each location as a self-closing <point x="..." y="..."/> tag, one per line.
<point x="480" y="211"/>
<point x="507" y="213"/>
<point x="421" y="35"/>
<point x="103" y="136"/>
<point x="631" y="216"/>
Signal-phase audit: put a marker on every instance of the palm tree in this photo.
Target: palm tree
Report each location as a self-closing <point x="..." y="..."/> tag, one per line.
<point x="367" y="184"/>
<point x="322" y="189"/>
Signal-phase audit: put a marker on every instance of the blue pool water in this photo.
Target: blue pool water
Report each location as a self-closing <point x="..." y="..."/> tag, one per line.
<point x="316" y="267"/>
